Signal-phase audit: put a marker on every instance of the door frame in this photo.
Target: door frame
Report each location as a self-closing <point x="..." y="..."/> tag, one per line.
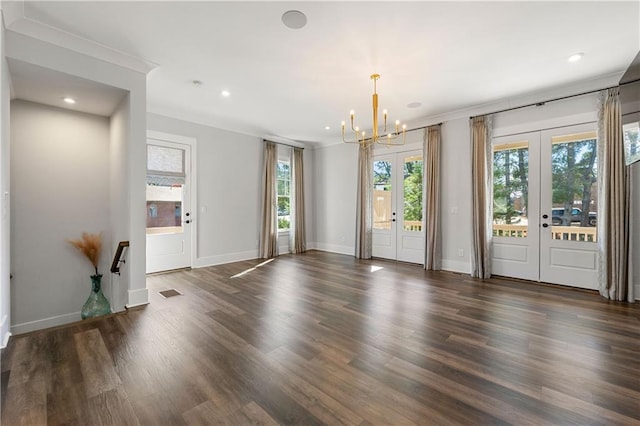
<point x="193" y="201"/>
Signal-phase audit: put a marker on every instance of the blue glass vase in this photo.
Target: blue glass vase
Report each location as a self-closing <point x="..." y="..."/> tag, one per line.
<point x="96" y="304"/>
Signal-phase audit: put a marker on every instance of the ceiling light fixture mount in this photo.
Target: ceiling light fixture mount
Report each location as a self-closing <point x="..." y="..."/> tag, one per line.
<point x="377" y="136"/>
<point x="294" y="19"/>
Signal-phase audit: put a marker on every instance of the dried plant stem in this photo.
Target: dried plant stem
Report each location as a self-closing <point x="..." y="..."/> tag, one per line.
<point x="90" y="245"/>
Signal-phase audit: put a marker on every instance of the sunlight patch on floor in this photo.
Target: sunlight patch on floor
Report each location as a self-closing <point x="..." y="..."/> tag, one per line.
<point x="246" y="271"/>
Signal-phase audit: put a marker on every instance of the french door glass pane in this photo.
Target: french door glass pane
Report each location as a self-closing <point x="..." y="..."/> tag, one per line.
<point x="510" y="189"/>
<point x="382" y="194"/>
<point x="574" y="187"/>
<point x="412" y="218"/>
<point x="164" y="209"/>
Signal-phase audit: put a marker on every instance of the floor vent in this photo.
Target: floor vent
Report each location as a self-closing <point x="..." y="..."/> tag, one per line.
<point x="170" y="293"/>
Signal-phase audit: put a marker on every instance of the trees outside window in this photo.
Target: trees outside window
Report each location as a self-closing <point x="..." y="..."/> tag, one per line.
<point x="575" y="176"/>
<point x="510" y="183"/>
<point x="283" y="176"/>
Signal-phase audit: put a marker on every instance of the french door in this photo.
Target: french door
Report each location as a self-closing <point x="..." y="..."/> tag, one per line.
<point x="544" y="206"/>
<point x="398" y="226"/>
<point x="168" y="205"/>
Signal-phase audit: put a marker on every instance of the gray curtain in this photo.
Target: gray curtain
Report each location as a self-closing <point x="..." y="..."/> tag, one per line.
<point x="481" y="195"/>
<point x="364" y="207"/>
<point x="269" y="224"/>
<point x="614" y="202"/>
<point x="297" y="235"/>
<point x="431" y="149"/>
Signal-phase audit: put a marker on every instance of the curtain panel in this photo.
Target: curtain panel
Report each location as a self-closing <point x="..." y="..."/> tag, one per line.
<point x="614" y="202"/>
<point x="364" y="206"/>
<point x="269" y="223"/>
<point x="297" y="235"/>
<point x="431" y="149"/>
<point x="481" y="195"/>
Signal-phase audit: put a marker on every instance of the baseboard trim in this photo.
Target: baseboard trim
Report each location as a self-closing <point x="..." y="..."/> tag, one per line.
<point x="137" y="297"/>
<point x="203" y="262"/>
<point x="456" y="266"/>
<point x="27" y="327"/>
<point x="128" y="307"/>
<point x="334" y="248"/>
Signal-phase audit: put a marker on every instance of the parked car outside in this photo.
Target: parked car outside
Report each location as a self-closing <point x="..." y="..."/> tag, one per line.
<point x="558" y="217"/>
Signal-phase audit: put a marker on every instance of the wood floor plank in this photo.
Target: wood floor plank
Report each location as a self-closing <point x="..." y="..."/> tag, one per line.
<point x="321" y="338"/>
<point x="96" y="363"/>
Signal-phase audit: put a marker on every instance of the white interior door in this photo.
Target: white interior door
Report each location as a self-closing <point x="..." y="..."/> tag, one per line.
<point x="169" y="214"/>
<point x="544" y="204"/>
<point x="398" y="225"/>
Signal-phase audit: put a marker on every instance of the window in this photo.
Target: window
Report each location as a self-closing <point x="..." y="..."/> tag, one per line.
<point x="511" y="189"/>
<point x="166" y="177"/>
<point x="283" y="176"/>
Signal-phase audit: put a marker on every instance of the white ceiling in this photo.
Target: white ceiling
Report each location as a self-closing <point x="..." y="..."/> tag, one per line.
<point x="292" y="83"/>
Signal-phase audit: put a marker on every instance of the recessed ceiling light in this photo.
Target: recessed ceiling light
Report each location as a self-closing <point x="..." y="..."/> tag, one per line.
<point x="225" y="93"/>
<point x="294" y="19"/>
<point x="576" y="57"/>
<point x="70" y="101"/>
<point x="327" y="127"/>
<point x="414" y="105"/>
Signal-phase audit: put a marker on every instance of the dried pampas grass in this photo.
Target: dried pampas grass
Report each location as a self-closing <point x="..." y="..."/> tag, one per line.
<point x="90" y="245"/>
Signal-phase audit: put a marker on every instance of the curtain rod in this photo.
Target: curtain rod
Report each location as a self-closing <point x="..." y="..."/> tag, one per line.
<point x="281" y="143"/>
<point x="543" y="102"/>
<point x="423" y="127"/>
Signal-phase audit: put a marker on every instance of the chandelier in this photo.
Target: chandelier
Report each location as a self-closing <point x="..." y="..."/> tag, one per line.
<point x="382" y="137"/>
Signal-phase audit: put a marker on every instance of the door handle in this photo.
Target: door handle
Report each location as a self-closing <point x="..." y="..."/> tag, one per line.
<point x="545" y="225"/>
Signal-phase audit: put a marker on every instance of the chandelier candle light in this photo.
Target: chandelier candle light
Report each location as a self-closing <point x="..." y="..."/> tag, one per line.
<point x="381" y="137"/>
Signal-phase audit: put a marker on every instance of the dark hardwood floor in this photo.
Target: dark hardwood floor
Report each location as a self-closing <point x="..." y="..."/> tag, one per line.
<point x="321" y="338"/>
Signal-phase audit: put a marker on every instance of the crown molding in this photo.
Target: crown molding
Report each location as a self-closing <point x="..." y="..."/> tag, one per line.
<point x="12" y="11"/>
<point x="46" y="33"/>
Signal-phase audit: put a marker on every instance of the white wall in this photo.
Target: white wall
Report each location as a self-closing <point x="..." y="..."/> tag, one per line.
<point x="335" y="190"/>
<point x="118" y="196"/>
<point x="59" y="187"/>
<point x="5" y="227"/>
<point x="229" y="174"/>
<point x="456" y="195"/>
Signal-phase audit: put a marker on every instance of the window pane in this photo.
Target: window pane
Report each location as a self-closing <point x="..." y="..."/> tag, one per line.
<point x="631" y="133"/>
<point x="381" y="195"/>
<point x="164" y="209"/>
<point x="282" y="171"/>
<point x="283" y="184"/>
<point x="412" y="218"/>
<point x="510" y="189"/>
<point x="574" y="187"/>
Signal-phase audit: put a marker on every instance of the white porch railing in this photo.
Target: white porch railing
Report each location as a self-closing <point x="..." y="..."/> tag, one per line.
<point x="567" y="233"/>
